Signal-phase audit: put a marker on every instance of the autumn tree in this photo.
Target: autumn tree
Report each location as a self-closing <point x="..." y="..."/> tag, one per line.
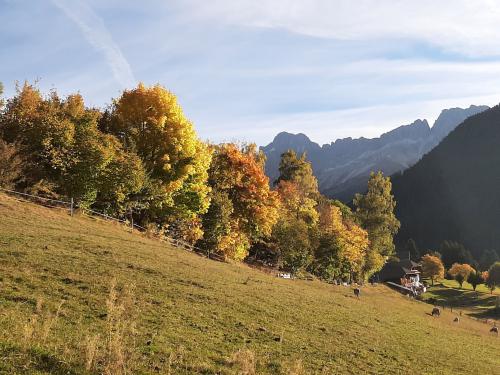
<point x="460" y="272"/>
<point x="1" y="92"/>
<point x="244" y="208"/>
<point x="375" y="212"/>
<point x="342" y="244"/>
<point x="475" y="278"/>
<point x="11" y="165"/>
<point x="65" y="152"/>
<point x="432" y="268"/>
<point x="493" y="278"/>
<point x="149" y="121"/>
<point x="297" y="189"/>
<point x="299" y="170"/>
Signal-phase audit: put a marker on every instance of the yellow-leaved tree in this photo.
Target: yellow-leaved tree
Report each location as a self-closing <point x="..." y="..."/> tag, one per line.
<point x="342" y="244"/>
<point x="150" y="122"/>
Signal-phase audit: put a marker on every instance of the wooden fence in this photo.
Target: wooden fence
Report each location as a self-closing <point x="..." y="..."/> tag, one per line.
<point x="71" y="206"/>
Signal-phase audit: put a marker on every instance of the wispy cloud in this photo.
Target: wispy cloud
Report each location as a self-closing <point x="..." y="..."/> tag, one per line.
<point x="250" y="68"/>
<point x="96" y="33"/>
<point x="460" y="26"/>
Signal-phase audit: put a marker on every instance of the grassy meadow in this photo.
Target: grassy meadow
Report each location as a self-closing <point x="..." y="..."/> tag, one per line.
<point x="479" y="304"/>
<point x="83" y="296"/>
<point x="481" y="288"/>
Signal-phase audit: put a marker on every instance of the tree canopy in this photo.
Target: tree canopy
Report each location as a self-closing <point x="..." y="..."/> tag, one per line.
<point x="432" y="267"/>
<point x="493" y="277"/>
<point x="141" y="159"/>
<point x="375" y="212"/>
<point x="460" y="272"/>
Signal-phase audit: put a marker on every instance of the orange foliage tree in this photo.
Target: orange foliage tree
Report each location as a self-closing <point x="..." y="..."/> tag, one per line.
<point x="432" y="267"/>
<point x="460" y="272"/>
<point x="243" y="207"/>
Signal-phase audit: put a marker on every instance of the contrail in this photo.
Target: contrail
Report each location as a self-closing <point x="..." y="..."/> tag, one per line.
<point x="96" y="33"/>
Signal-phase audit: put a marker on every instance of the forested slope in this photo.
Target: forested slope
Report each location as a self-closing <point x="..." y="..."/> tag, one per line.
<point x="452" y="192"/>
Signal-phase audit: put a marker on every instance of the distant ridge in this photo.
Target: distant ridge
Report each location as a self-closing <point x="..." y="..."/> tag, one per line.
<point x="342" y="167"/>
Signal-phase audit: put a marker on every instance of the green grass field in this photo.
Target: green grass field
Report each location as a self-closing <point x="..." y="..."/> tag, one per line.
<point x="467" y="287"/>
<point x="78" y="296"/>
<point x="478" y="304"/>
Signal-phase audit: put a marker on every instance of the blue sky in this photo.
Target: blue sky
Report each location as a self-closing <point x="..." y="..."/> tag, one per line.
<point x="248" y="69"/>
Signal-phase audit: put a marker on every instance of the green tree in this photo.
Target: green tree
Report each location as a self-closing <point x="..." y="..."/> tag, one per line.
<point x="432" y="268"/>
<point x="475" y="278"/>
<point x="298" y="170"/>
<point x="297" y="189"/>
<point x="412" y="249"/>
<point x="493" y="280"/>
<point x="488" y="258"/>
<point x="454" y="252"/>
<point x="295" y="242"/>
<point x="375" y="213"/>
<point x="65" y="152"/>
<point x="217" y="221"/>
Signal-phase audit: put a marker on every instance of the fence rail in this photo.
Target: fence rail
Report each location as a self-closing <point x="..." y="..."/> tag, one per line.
<point x="71" y="206"/>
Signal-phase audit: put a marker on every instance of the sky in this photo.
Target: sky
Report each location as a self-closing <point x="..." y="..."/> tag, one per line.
<point x="244" y="70"/>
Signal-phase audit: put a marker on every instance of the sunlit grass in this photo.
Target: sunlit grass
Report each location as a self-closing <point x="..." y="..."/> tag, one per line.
<point x="466" y="286"/>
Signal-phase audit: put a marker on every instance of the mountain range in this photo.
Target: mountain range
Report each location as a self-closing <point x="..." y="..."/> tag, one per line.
<point x="452" y="192"/>
<point x="343" y="167"/>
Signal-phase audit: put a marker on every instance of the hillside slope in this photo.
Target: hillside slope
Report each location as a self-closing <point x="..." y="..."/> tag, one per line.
<point x="175" y="312"/>
<point x="452" y="193"/>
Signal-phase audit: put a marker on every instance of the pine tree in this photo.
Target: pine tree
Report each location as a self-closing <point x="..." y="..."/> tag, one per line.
<point x="375" y="212"/>
<point x="488" y="258"/>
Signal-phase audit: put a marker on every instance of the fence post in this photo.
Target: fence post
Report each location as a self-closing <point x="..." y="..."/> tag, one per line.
<point x="132" y="219"/>
<point x="71" y="208"/>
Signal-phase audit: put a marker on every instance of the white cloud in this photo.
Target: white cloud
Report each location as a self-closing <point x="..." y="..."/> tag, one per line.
<point x="96" y="33"/>
<point x="468" y="27"/>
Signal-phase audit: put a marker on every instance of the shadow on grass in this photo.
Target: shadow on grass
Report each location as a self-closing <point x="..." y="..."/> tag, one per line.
<point x="35" y="360"/>
<point x="479" y="305"/>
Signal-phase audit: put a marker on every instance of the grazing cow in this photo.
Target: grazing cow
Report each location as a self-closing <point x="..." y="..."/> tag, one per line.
<point x="356" y="292"/>
<point x="457" y="319"/>
<point x="494" y="330"/>
<point x="436" y="311"/>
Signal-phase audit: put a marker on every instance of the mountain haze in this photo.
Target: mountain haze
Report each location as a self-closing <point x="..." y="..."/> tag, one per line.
<point x="343" y="167"/>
